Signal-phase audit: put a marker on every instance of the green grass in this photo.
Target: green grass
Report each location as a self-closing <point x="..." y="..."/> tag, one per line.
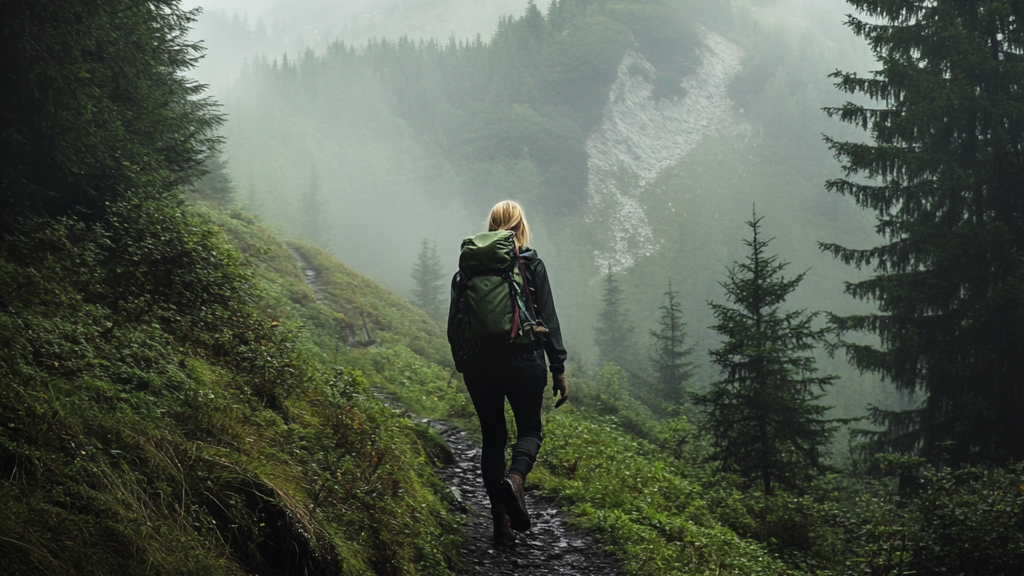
<point x="175" y="400"/>
<point x="658" y="520"/>
<point x="169" y="408"/>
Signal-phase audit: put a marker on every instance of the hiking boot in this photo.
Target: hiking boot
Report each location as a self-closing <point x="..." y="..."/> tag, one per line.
<point x="515" y="503"/>
<point x="503" y="533"/>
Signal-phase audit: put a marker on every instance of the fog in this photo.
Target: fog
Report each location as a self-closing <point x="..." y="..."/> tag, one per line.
<point x="408" y="142"/>
<point x="277" y="27"/>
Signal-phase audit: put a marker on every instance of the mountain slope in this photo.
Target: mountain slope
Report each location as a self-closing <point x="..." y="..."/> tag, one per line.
<point x="165" y="412"/>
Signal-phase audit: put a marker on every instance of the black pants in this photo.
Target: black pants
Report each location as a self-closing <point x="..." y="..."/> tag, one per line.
<point x="522" y="380"/>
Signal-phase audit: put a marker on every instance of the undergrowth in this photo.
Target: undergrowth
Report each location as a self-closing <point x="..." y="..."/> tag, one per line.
<point x="165" y="411"/>
<point x="176" y="399"/>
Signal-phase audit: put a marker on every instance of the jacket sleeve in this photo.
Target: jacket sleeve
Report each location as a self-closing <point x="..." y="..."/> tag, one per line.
<point x="545" y="305"/>
<point x="453" y="311"/>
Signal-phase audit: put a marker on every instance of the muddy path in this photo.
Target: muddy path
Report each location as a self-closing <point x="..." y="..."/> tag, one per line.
<point x="551" y="547"/>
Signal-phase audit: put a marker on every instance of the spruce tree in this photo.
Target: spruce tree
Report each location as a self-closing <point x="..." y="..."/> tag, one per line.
<point x="216" y="184"/>
<point x="763" y="416"/>
<point x="96" y="106"/>
<point x="613" y="332"/>
<point x="670" y="361"/>
<point x="944" y="175"/>
<point x="428" y="280"/>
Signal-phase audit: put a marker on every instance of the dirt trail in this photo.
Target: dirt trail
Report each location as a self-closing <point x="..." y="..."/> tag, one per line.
<point x="312" y="277"/>
<point x="550" y="548"/>
<point x="309" y="274"/>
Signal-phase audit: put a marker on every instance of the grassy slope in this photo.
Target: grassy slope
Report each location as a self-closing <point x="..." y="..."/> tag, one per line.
<point x="166" y="412"/>
<point x="655" y="501"/>
<point x="668" y="520"/>
<point x="410" y="359"/>
<point x="174" y="406"/>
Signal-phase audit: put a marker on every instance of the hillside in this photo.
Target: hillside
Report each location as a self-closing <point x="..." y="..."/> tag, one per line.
<point x="403" y="362"/>
<point x="186" y="390"/>
<point x="187" y="417"/>
<point x="639" y="135"/>
<point x="207" y="425"/>
<point x="218" y="424"/>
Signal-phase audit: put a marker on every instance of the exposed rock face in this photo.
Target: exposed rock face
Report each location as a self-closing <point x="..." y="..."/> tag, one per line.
<point x="640" y="136"/>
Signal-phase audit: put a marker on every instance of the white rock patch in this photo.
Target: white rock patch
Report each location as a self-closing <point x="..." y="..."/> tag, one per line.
<point x="640" y="136"/>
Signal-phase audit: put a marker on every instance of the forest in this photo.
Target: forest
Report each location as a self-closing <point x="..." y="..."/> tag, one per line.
<point x="786" y="244"/>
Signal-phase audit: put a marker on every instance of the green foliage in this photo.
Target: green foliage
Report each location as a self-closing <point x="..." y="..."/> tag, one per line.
<point x="665" y="510"/>
<point x="660" y="520"/>
<point x="612" y="397"/>
<point x="215" y="185"/>
<point x="428" y="278"/>
<point x="942" y="176"/>
<point x="420" y="385"/>
<point x="670" y="362"/>
<point x="369" y="311"/>
<point x="95" y="107"/>
<point x="613" y="331"/>
<point x="160" y="418"/>
<point x="969" y="521"/>
<point x="763" y="414"/>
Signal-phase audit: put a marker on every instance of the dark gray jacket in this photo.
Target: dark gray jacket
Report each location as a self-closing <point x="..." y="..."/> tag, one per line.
<point x="540" y="290"/>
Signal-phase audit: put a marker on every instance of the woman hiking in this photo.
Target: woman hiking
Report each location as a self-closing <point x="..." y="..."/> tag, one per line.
<point x="501" y="322"/>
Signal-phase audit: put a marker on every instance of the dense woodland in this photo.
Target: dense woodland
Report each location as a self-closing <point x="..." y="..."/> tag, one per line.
<point x="176" y="399"/>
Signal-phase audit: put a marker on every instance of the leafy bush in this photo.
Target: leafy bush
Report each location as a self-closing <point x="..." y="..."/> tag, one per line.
<point x="610" y="397"/>
<point x="659" y="520"/>
<point x="969" y="521"/>
<point x="420" y="385"/>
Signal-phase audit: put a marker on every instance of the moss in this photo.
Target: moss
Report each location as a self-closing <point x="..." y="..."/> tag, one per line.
<point x="170" y="407"/>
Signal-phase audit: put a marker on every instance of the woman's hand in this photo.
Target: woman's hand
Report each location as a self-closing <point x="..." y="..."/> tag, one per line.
<point x="558" y="385"/>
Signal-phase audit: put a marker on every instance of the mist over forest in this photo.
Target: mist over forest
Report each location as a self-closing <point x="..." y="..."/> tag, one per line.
<point x="785" y="240"/>
<point x="413" y="124"/>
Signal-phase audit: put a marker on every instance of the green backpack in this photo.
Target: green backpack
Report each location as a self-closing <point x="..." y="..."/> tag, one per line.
<point x="494" y="302"/>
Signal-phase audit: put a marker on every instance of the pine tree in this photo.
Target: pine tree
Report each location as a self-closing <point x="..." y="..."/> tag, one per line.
<point x="312" y="211"/>
<point x="216" y="184"/>
<point x="943" y="175"/>
<point x="762" y="415"/>
<point x="428" y="279"/>
<point x="613" y="333"/>
<point x="670" y="361"/>
<point x="96" y="106"/>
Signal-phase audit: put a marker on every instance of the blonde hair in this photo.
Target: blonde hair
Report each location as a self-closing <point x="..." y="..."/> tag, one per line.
<point x="508" y="215"/>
